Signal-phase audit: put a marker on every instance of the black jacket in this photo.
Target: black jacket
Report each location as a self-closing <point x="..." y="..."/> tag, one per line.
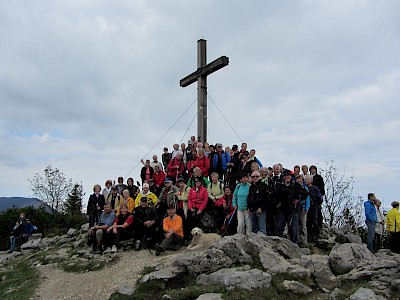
<point x="94" y="202"/>
<point x="288" y="194"/>
<point x="141" y="215"/>
<point x="143" y="173"/>
<point x="259" y="196"/>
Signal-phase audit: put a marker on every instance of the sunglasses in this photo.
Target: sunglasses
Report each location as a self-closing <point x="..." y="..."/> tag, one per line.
<point x="255" y="176"/>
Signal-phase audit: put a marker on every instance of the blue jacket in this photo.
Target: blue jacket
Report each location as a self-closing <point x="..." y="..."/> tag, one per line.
<point x="305" y="203"/>
<point x="370" y="212"/>
<point x="240" y="196"/>
<point x="225" y="157"/>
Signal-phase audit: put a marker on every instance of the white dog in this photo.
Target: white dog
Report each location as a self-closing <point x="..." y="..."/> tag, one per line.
<point x="202" y="240"/>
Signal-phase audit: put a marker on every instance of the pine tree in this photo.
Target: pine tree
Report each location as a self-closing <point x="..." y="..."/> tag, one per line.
<point x="73" y="205"/>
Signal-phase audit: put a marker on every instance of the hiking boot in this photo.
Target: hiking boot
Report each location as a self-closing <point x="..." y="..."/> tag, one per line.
<point x="158" y="249"/>
<point x="138" y="245"/>
<point x="97" y="250"/>
<point x="114" y="249"/>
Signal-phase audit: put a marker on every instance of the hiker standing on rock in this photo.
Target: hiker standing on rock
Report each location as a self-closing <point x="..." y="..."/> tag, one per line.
<point x="239" y="203"/>
<point x="393" y="227"/>
<point x="371" y="220"/>
<point x="95" y="205"/>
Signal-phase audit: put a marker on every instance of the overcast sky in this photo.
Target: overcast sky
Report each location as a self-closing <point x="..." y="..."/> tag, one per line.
<point x="90" y="86"/>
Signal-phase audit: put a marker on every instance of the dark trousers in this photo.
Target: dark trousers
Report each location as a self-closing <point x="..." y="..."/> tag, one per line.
<point x="378" y="241"/>
<point x="395" y="242"/>
<point x="143" y="232"/>
<point x="313" y="228"/>
<point x="292" y="219"/>
<point x="93" y="217"/>
<point x="111" y="238"/>
<point x="194" y="219"/>
<point x="174" y="242"/>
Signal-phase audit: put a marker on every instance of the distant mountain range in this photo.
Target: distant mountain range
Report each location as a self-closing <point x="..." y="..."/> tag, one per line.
<point x="20" y="202"/>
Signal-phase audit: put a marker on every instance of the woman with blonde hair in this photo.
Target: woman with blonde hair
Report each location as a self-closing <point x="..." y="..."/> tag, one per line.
<point x="95" y="205"/>
<point x="128" y="200"/>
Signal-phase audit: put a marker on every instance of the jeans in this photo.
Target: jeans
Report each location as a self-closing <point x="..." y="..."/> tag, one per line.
<point x="259" y="222"/>
<point x="292" y="219"/>
<point x="13" y="240"/>
<point x="371" y="235"/>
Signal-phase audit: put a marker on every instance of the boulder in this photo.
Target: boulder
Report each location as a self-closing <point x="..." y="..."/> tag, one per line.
<point x="345" y="257"/>
<point x="234" y="250"/>
<point x="237" y="278"/>
<point x="294" y="271"/>
<point x="126" y="290"/>
<point x="336" y="294"/>
<point x="35" y="236"/>
<point x="352" y="238"/>
<point x="363" y="294"/>
<point x="32" y="244"/>
<point x="270" y="259"/>
<point x="85" y="227"/>
<point x="79" y="243"/>
<point x="284" y="247"/>
<point x="210" y="260"/>
<point x="163" y="274"/>
<point x="296" y="287"/>
<point x="184" y="261"/>
<point x="319" y="266"/>
<point x="72" y="232"/>
<point x="395" y="285"/>
<point x="210" y="296"/>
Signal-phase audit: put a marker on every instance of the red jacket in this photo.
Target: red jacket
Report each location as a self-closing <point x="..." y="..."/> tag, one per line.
<point x="198" y="199"/>
<point x="203" y="163"/>
<point x="159" y="178"/>
<point x="173" y="172"/>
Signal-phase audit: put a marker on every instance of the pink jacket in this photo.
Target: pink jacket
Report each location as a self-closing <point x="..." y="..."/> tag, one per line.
<point x="198" y="199"/>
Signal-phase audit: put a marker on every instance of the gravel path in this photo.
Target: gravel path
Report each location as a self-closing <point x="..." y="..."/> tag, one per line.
<point x="99" y="285"/>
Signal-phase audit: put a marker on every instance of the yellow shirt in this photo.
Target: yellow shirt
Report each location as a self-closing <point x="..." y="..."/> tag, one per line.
<point x="393" y="220"/>
<point x="152" y="197"/>
<point x="130" y="202"/>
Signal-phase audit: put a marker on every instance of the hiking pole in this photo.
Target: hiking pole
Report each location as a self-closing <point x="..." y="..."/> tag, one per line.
<point x="229" y="222"/>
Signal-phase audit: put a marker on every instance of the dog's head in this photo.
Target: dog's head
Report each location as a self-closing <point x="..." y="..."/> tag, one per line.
<point x="196" y="231"/>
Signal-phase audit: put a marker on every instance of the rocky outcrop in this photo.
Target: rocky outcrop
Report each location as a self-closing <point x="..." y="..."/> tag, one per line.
<point x="244" y="278"/>
<point x="345" y="257"/>
<point x="296" y="287"/>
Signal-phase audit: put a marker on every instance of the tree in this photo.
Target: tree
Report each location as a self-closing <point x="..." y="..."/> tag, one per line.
<point x="52" y="188"/>
<point x="340" y="206"/>
<point x="73" y="205"/>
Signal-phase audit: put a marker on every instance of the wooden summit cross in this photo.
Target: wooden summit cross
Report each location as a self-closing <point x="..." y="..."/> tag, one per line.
<point x="200" y="75"/>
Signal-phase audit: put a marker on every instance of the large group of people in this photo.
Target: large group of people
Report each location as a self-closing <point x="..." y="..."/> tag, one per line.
<point x="220" y="190"/>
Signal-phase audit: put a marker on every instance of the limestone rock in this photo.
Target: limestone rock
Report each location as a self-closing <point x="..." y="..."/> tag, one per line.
<point x="236" y="277"/>
<point x="284" y="247"/>
<point x="326" y="280"/>
<point x="72" y="232"/>
<point x="294" y="271"/>
<point x="79" y="243"/>
<point x="395" y="284"/>
<point x="184" y="261"/>
<point x="126" y="290"/>
<point x="164" y="274"/>
<point x="314" y="262"/>
<point x="352" y="238"/>
<point x="210" y="296"/>
<point x="32" y="244"/>
<point x="35" y="236"/>
<point x="85" y="227"/>
<point x="234" y="250"/>
<point x="335" y="295"/>
<point x="210" y="260"/>
<point x="363" y="294"/>
<point x="325" y="244"/>
<point x="270" y="259"/>
<point x="345" y="257"/>
<point x="296" y="287"/>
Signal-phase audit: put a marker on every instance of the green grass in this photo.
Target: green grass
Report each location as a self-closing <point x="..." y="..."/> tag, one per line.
<point x="349" y="287"/>
<point x="20" y="280"/>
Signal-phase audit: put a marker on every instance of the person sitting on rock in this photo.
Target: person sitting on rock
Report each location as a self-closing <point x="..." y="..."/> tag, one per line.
<point x="121" y="230"/>
<point x="173" y="230"/>
<point x="97" y="231"/>
<point x="27" y="230"/>
<point x="128" y="201"/>
<point x="144" y="224"/>
<point x="15" y="235"/>
<point x="151" y="197"/>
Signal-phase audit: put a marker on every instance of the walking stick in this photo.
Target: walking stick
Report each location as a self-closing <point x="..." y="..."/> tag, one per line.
<point x="229" y="222"/>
